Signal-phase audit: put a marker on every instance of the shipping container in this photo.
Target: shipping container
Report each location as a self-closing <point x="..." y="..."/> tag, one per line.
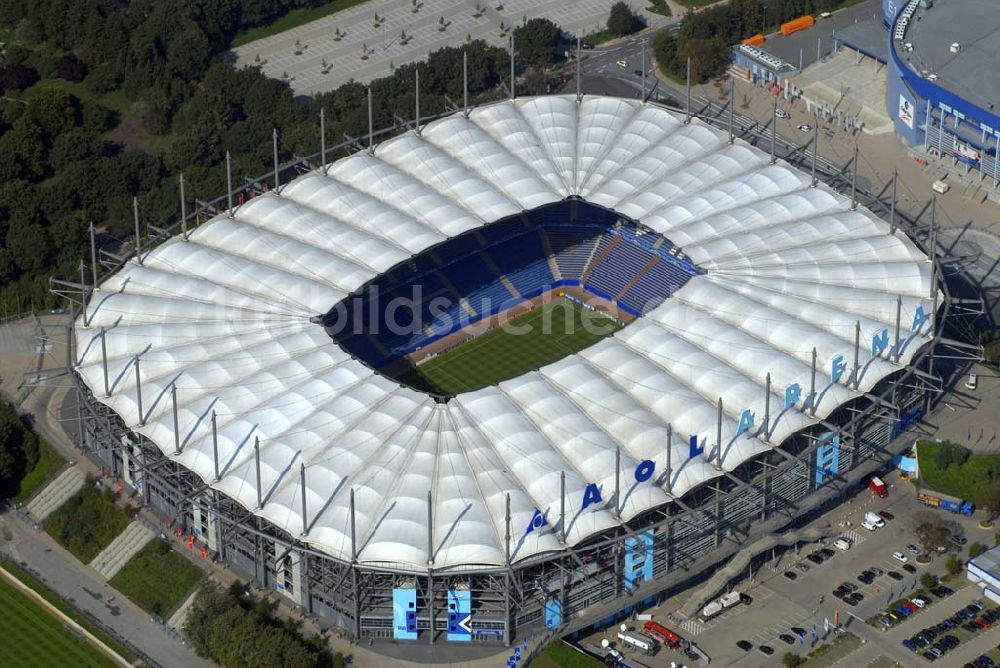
<point x="755" y="40"/>
<point x="798" y="24"/>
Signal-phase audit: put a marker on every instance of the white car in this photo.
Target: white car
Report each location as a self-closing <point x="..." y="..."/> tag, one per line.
<point x="622" y="63"/>
<point x="781" y="113"/>
<point x="805" y="128"/>
<point x="900" y="557"/>
<point x="973" y="381"/>
<point x="918" y="601"/>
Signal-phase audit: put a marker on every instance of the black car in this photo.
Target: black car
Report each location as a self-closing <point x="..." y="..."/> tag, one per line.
<point x="909" y="568"/>
<point x="766" y="649"/>
<point x="791" y="575"/>
<point x="787" y="639"/>
<point x="848" y="587"/>
<point x="849" y="600"/>
<point x="799" y="631"/>
<point x="886" y="515"/>
<point x="816" y="558"/>
<point x="744" y="645"/>
<point x="894" y="575"/>
<point x="857" y="597"/>
<point x="827" y="552"/>
<point x="959" y="540"/>
<point x="930" y="657"/>
<point x="839" y="593"/>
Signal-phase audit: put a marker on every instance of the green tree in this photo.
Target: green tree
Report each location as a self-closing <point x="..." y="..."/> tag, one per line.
<point x="791" y="659"/>
<point x="976" y="549"/>
<point x="953" y="565"/>
<point x="535" y="42"/>
<point x="621" y="20"/>
<point x="928" y="581"/>
<point x="931" y="530"/>
<point x="988" y="497"/>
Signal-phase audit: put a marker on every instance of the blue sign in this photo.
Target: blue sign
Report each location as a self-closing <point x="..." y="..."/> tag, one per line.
<point x="827" y="457"/>
<point x="404" y="614"/>
<point x="460" y="615"/>
<point x="638" y="558"/>
<point x="553" y="613"/>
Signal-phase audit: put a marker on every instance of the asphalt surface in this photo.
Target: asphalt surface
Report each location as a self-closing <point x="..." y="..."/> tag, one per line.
<point x="804" y="43"/>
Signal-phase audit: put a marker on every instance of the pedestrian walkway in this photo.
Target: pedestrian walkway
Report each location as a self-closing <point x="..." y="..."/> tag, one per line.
<point x="55" y="493"/>
<point x="128" y="543"/>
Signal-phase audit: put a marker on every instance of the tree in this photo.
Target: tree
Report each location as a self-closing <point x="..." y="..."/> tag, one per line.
<point x="928" y="581"/>
<point x="71" y="68"/>
<point x="621" y="20"/>
<point x="953" y="565"/>
<point x="988" y="497"/>
<point x="535" y="42"/>
<point x="932" y="531"/>
<point x="17" y="76"/>
<point x="791" y="659"/>
<point x="951" y="454"/>
<point x="976" y="549"/>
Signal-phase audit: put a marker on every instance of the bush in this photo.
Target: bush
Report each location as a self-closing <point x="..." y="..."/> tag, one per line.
<point x="976" y="549"/>
<point x="88" y="521"/>
<point x="928" y="581"/>
<point x="953" y="565"/>
<point x="791" y="659"/>
<point x="951" y="454"/>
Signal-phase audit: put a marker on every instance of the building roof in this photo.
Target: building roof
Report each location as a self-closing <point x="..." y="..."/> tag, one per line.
<point x="972" y="73"/>
<point x="225" y="318"/>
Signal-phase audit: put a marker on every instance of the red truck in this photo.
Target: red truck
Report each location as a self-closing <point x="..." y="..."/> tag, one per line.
<point x="876" y="485"/>
<point x="663" y="634"/>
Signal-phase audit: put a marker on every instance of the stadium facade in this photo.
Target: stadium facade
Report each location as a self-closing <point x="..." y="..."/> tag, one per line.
<point x="943" y="84"/>
<point x="789" y="341"/>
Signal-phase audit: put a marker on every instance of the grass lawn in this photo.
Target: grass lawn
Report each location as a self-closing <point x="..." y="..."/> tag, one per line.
<point x="962" y="480"/>
<point x="88" y="521"/>
<point x="157" y="579"/>
<point x="659" y="7"/>
<point x="827" y="655"/>
<point x="49" y="463"/>
<point x="115" y="100"/>
<point x="32" y="637"/>
<point x="561" y="655"/>
<point x="28" y="579"/>
<point x="546" y="335"/>
<point x="598" y="38"/>
<point x="293" y="19"/>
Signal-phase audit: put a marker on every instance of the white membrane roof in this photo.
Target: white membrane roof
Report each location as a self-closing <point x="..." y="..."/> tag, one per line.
<point x="224" y="318"/>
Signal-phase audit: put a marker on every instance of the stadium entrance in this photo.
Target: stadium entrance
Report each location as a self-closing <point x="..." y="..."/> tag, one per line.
<point x="543" y="272"/>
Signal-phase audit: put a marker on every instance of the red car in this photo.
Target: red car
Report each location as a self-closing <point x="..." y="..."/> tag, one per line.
<point x="912" y="607"/>
<point x="982" y="623"/>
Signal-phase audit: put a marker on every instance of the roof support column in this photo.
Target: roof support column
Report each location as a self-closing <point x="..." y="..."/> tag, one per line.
<point x="579" y="72"/>
<point x="718" y="434"/>
<point x="215" y="446"/>
<point x="256" y="460"/>
<point x="302" y="486"/>
<point x="93" y="258"/>
<point x="932" y="251"/>
<point x="229" y="185"/>
<point x="812" y="385"/>
<point x="687" y="95"/>
<point x="899" y="314"/>
<point x="322" y="139"/>
<point x="670" y="447"/>
<point x="138" y="393"/>
<point x="138" y="239"/>
<point x="857" y="353"/>
<point x="184" y="222"/>
<point x="371" y="127"/>
<point x="430" y="605"/>
<point x="854" y="179"/>
<point x="642" y="96"/>
<point x="274" y="148"/>
<point x="815" y="153"/>
<point x="732" y="107"/>
<point x="618" y="480"/>
<point x="892" y="205"/>
<point x="774" y="126"/>
<point x="177" y="431"/>
<point x="562" y="506"/>
<point x="430" y="529"/>
<point x="416" y="99"/>
<point x="507" y="533"/>
<point x="104" y="362"/>
<point x="513" y="94"/>
<point x="465" y="83"/>
<point x="767" y="407"/>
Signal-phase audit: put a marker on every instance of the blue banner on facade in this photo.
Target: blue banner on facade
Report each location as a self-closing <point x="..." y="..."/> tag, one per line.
<point x="404" y="614"/>
<point x="460" y="615"/>
<point x="827" y="457"/>
<point x="638" y="558"/>
<point x="553" y="613"/>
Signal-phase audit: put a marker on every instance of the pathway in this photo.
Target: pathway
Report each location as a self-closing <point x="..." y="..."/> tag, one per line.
<point x="55" y="493"/>
<point x="126" y="545"/>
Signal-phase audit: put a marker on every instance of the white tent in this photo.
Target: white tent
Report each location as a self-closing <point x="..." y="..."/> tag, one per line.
<point x="223" y="320"/>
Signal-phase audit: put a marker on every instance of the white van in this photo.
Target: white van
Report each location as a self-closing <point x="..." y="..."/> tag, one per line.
<point x="868" y="525"/>
<point x="873" y="518"/>
<point x="639" y="641"/>
<point x="843" y="543"/>
<point x="940" y="187"/>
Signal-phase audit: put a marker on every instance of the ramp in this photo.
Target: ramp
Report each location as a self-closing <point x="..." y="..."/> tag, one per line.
<point x="128" y="543"/>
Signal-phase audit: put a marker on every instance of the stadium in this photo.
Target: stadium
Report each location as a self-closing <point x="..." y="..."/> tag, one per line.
<point x="942" y="81"/>
<point x="632" y="344"/>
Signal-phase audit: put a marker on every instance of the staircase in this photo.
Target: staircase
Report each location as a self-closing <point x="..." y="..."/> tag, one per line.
<point x="638" y="275"/>
<point x="499" y="274"/>
<point x="55" y="493"/>
<point x="550" y="256"/>
<point x="128" y="543"/>
<point x="462" y="301"/>
<point x="593" y="260"/>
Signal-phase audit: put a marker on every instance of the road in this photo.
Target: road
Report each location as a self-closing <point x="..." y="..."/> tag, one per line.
<point x="87" y="591"/>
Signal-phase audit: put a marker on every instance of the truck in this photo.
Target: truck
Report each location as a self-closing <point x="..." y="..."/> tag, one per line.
<point x="951" y="504"/>
<point x="719" y="605"/>
<point x="876" y="485"/>
<point x="755" y="40"/>
<point x="796" y="25"/>
<point x="874" y="518"/>
<point x="662" y="634"/>
<point x="639" y="641"/>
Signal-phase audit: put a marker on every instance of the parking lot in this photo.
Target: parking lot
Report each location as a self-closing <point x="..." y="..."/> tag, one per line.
<point x="781" y="604"/>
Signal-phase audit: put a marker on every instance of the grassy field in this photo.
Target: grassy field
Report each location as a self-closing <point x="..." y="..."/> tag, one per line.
<point x="88" y="521"/>
<point x="598" y="38"/>
<point x="962" y="480"/>
<point x="659" y="7"/>
<point x="561" y="655"/>
<point x="157" y="579"/>
<point x="827" y="655"/>
<point x="32" y="637"/>
<point x="547" y="335"/>
<point x="28" y="579"/>
<point x="49" y="463"/>
<point x="294" y="19"/>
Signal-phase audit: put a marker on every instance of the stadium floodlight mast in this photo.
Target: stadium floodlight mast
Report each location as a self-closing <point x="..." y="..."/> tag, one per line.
<point x="371" y="130"/>
<point x="854" y="179"/>
<point x="256" y="459"/>
<point x="899" y="315"/>
<point x="732" y="106"/>
<point x="184" y="222"/>
<point x="815" y="153"/>
<point x="104" y="361"/>
<point x="177" y="431"/>
<point x="215" y="446"/>
<point x="229" y="184"/>
<point x="513" y="94"/>
<point x="138" y="239"/>
<point x="765" y="427"/>
<point x="687" y="97"/>
<point x="416" y="99"/>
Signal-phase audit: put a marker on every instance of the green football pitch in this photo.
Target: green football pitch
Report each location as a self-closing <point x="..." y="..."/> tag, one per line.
<point x="33" y="638"/>
<point x="530" y="341"/>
